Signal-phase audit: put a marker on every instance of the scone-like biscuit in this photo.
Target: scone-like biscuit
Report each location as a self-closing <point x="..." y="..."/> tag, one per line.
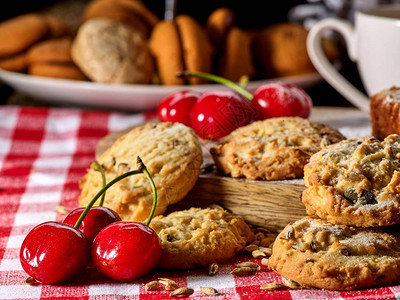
<point x="130" y="12"/>
<point x="384" y="112"/>
<point x="199" y="237"/>
<point x="272" y="149"/>
<point x="108" y="51"/>
<point x="355" y="182"/>
<point x="171" y="153"/>
<point x="315" y="253"/>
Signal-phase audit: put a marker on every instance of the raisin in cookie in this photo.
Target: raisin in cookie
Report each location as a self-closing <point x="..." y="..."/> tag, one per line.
<point x="315" y="253"/>
<point x="172" y="155"/>
<point x="272" y="149"/>
<point x="199" y="237"/>
<point x="355" y="182"/>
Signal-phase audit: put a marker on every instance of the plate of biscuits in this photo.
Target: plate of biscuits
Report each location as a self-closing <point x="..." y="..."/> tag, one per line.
<point x="115" y="96"/>
<point x="113" y="59"/>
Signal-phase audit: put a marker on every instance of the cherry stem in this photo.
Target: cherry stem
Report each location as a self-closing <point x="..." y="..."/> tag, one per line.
<point x="218" y="79"/>
<point x="141" y="170"/>
<point x="99" y="168"/>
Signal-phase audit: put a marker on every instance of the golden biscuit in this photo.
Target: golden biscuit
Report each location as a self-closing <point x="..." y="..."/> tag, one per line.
<point x="198" y="237"/>
<point x="180" y="45"/>
<point x="317" y="254"/>
<point x="173" y="156"/>
<point x="19" y="33"/>
<point x="355" y="182"/>
<point x="56" y="70"/>
<point x="272" y="149"/>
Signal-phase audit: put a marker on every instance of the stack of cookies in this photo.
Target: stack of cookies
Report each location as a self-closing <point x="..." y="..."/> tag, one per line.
<point x="352" y="198"/>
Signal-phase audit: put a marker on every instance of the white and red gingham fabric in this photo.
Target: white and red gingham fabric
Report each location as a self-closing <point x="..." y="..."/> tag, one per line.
<point x="43" y="154"/>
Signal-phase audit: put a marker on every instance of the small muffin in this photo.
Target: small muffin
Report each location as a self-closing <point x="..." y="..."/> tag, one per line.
<point x="272" y="149"/>
<point x="172" y="155"/>
<point x="108" y="51"/>
<point x="178" y="45"/>
<point x="355" y="182"/>
<point x="385" y="113"/>
<point x="196" y="237"/>
<point x="317" y="254"/>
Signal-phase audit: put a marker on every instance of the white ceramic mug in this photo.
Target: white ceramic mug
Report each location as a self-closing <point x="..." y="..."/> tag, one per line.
<point x="373" y="43"/>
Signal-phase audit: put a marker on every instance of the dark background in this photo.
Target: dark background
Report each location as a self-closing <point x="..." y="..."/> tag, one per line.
<point x="248" y="14"/>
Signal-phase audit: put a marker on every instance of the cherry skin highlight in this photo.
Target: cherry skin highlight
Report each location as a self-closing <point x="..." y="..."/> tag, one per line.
<point x="281" y="99"/>
<point x="96" y="219"/>
<point x="54" y="252"/>
<point x="126" y="251"/>
<point x="176" y="106"/>
<point x="217" y="113"/>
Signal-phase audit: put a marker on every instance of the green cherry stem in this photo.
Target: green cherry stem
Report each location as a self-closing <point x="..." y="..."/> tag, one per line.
<point x="141" y="170"/>
<point x="99" y="168"/>
<point x="218" y="79"/>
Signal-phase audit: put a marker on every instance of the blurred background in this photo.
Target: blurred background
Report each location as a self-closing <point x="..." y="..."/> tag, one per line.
<point x="249" y="15"/>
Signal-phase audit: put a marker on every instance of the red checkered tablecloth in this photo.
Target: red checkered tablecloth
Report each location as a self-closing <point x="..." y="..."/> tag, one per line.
<point x="43" y="154"/>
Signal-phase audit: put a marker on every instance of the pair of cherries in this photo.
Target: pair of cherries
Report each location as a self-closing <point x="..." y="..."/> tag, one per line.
<point x="54" y="252"/>
<point x="216" y="113"/>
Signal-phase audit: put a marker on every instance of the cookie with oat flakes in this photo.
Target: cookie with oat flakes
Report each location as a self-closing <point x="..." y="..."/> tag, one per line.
<point x="198" y="237"/>
<point x="355" y="182"/>
<point x="272" y="149"/>
<point x="173" y="157"/>
<point x="316" y="253"/>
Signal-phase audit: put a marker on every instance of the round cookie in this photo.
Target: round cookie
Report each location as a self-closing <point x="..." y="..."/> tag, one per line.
<point x="14" y="63"/>
<point x="280" y="50"/>
<point x="218" y="24"/>
<point x="19" y="33"/>
<point x="236" y="58"/>
<point x="181" y="45"/>
<point x="198" y="237"/>
<point x="173" y="156"/>
<point x="130" y="12"/>
<point x="56" y="70"/>
<point x="108" y="51"/>
<point x="315" y="253"/>
<point x="272" y="149"/>
<point x="51" y="50"/>
<point x="355" y="182"/>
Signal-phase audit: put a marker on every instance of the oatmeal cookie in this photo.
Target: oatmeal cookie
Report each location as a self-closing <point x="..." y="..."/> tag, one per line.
<point x="173" y="157"/>
<point x="199" y="237"/>
<point x="355" y="182"/>
<point x="272" y="149"/>
<point x="315" y="253"/>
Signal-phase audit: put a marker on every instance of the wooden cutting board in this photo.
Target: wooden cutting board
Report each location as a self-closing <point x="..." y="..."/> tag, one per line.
<point x="269" y="204"/>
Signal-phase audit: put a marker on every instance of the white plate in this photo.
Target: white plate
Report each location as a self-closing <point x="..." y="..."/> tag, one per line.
<point x="133" y="97"/>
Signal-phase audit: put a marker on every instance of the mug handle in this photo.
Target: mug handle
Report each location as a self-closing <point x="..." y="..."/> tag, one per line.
<point x="326" y="69"/>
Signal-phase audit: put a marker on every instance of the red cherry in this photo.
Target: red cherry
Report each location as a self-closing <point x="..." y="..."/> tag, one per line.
<point x="176" y="106"/>
<point x="217" y="113"/>
<point x="126" y="251"/>
<point x="281" y="99"/>
<point x="96" y="219"/>
<point x="53" y="252"/>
